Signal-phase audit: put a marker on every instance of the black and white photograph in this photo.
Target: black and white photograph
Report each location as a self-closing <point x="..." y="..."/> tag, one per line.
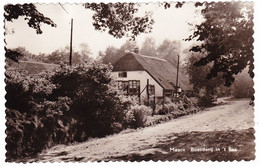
<point x="128" y="81"/>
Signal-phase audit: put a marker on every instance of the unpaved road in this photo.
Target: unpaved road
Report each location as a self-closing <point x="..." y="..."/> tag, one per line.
<point x="234" y="115"/>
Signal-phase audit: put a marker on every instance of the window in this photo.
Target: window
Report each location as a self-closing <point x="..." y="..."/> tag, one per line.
<point x="151" y="90"/>
<point x="133" y="87"/>
<point x="122" y="85"/>
<point x="122" y="74"/>
<point x="168" y="93"/>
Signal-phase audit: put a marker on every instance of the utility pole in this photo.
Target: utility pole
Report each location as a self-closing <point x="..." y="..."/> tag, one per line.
<point x="177" y="78"/>
<point x="71" y="32"/>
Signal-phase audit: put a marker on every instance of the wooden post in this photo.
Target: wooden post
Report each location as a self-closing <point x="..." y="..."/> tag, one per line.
<point x="163" y="97"/>
<point x="71" y="32"/>
<point x="177" y="78"/>
<point x="154" y="105"/>
<point x="147" y="89"/>
<point x="139" y="94"/>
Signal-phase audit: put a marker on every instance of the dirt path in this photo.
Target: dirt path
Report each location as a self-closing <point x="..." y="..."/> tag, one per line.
<point x="235" y="115"/>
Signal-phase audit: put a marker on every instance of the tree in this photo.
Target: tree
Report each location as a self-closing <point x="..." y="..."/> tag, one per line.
<point x="169" y="50"/>
<point x="198" y="75"/>
<point x="13" y="55"/>
<point x="85" y="52"/>
<point x="243" y="85"/>
<point x="29" y="11"/>
<point x="112" y="54"/>
<point x="61" y="56"/>
<point x="119" y="19"/>
<point x="96" y="102"/>
<point x="227" y="36"/>
<point x="149" y="47"/>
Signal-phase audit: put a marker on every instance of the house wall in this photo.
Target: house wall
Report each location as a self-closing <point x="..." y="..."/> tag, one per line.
<point x="142" y="76"/>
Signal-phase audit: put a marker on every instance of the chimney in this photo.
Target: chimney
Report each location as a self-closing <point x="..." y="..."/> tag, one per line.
<point x="136" y="50"/>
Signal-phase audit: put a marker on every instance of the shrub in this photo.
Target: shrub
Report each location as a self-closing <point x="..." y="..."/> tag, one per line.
<point x="96" y="102"/>
<point x="136" y="117"/>
<point x="205" y="101"/>
<point x="168" y="108"/>
<point x="163" y="111"/>
<point x="70" y="104"/>
<point x="22" y="89"/>
<point x="29" y="133"/>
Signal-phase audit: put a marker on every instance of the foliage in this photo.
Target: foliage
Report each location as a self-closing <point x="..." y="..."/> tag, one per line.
<point x="13" y="55"/>
<point x="112" y="54"/>
<point x="119" y="19"/>
<point x="169" y="50"/>
<point x="29" y="11"/>
<point x="177" y="107"/>
<point x="166" y="50"/>
<point x="33" y="123"/>
<point x="30" y="132"/>
<point x="167" y="108"/>
<point x="205" y="101"/>
<point x="198" y="75"/>
<point x="243" y="85"/>
<point x="227" y="36"/>
<point x="22" y="89"/>
<point x="96" y="102"/>
<point x="61" y="56"/>
<point x="149" y="47"/>
<point x="67" y="105"/>
<point x="136" y="117"/>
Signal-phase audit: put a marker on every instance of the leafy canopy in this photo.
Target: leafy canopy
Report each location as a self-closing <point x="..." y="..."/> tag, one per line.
<point x="29" y="11"/>
<point x="198" y="74"/>
<point x="227" y="36"/>
<point x="119" y="19"/>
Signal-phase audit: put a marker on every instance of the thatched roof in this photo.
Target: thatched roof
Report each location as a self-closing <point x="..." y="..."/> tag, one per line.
<point x="161" y="70"/>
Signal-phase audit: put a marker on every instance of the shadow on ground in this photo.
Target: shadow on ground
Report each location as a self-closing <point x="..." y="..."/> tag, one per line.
<point x="226" y="145"/>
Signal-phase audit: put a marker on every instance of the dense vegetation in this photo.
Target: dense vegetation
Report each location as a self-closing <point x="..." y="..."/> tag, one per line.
<point x="74" y="103"/>
<point x="62" y="106"/>
<point x="227" y="37"/>
<point x="68" y="104"/>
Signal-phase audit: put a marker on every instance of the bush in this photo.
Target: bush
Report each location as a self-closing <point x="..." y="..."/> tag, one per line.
<point x="136" y="117"/>
<point x="163" y="111"/>
<point x="205" y="101"/>
<point x="22" y="89"/>
<point x="68" y="105"/>
<point x="29" y="133"/>
<point x="96" y="103"/>
<point x="176" y="106"/>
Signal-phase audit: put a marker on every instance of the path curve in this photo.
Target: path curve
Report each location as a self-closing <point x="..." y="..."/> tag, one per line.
<point x="235" y="115"/>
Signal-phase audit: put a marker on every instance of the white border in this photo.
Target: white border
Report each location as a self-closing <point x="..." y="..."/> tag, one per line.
<point x="151" y="163"/>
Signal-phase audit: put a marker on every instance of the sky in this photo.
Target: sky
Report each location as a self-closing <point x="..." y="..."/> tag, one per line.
<point x="171" y="24"/>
